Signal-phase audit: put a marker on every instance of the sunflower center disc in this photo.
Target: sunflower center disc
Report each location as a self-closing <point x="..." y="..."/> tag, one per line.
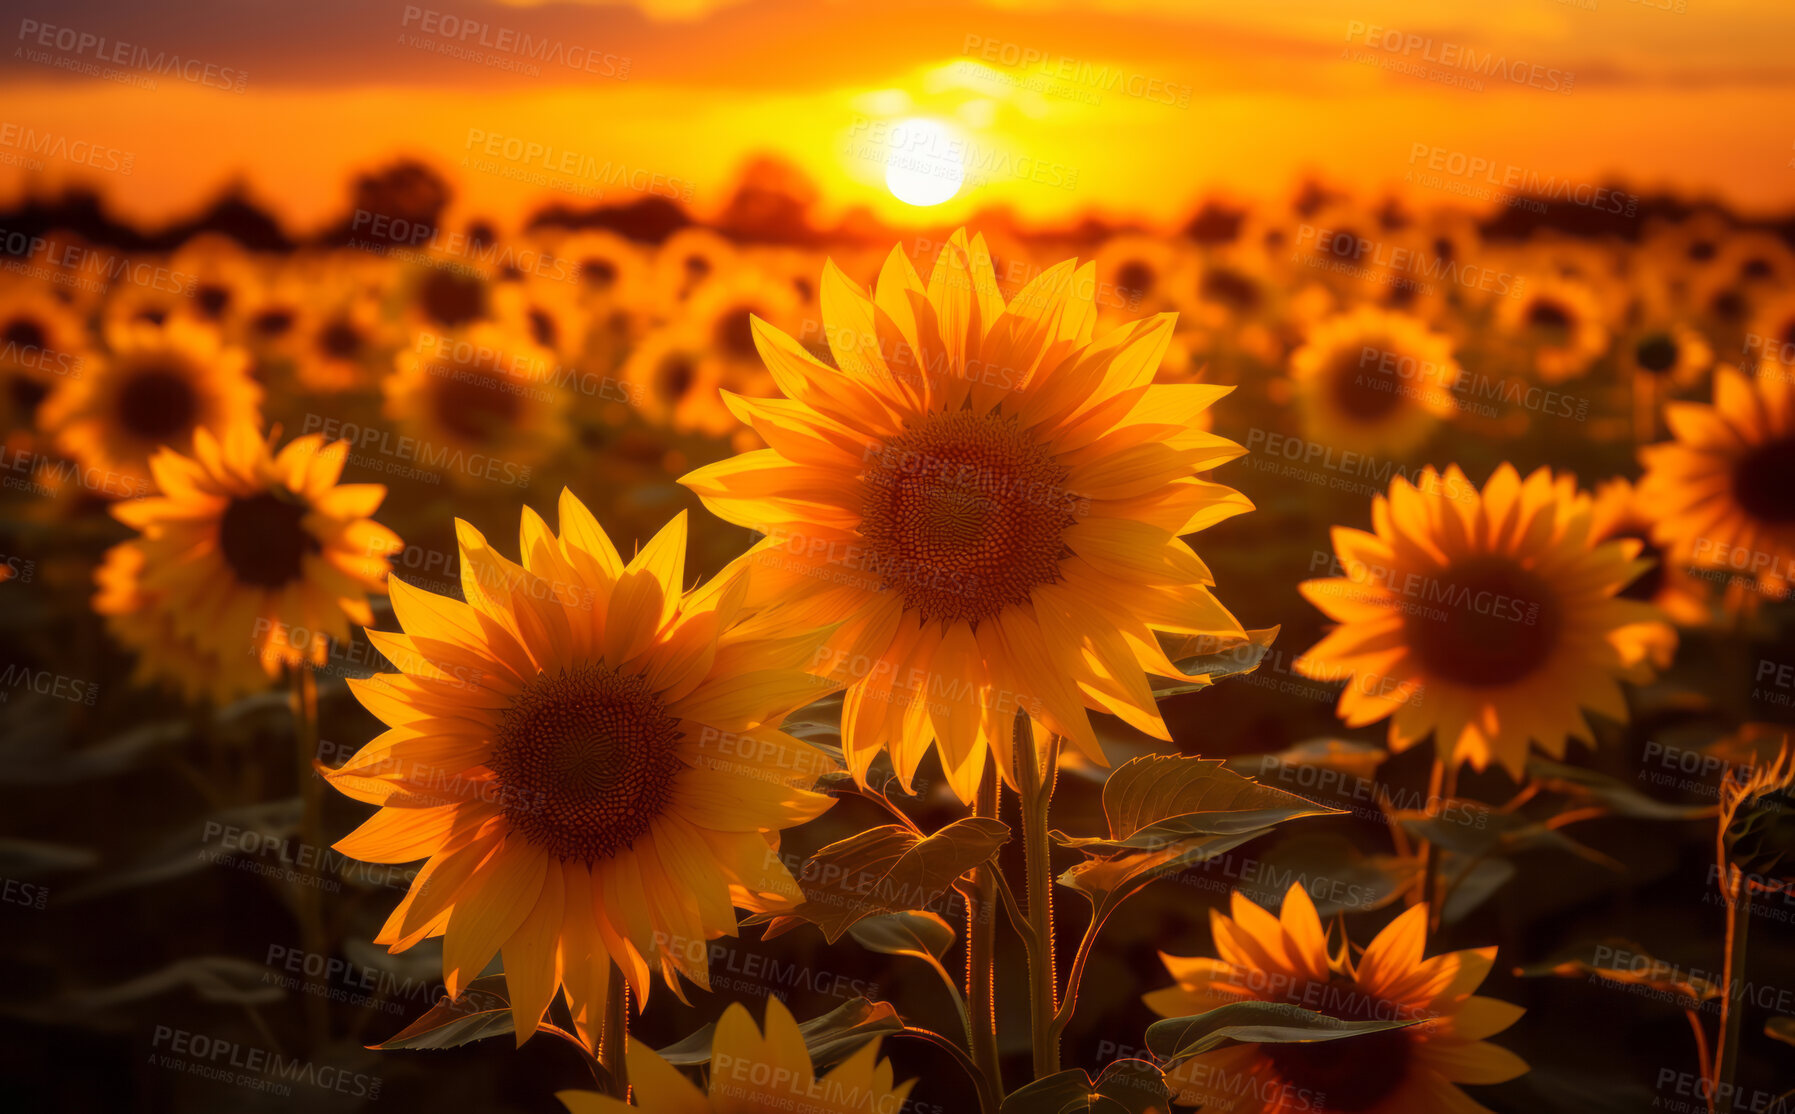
<point x="473" y="403"/>
<point x="1485" y="621"/>
<point x="1761" y="482"/>
<point x="1657" y="353"/>
<point x="1354" y="1073"/>
<point x="1363" y="388"/>
<point x="158" y="405"/>
<point x="964" y="515"/>
<point x="264" y="539"/>
<point x="586" y="759"/>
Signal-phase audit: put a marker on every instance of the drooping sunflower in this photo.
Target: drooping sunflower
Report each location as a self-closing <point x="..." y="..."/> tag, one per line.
<point x="589" y="758"/>
<point x="249" y="556"/>
<point x="1489" y="618"/>
<point x="1415" y="1069"/>
<point x="488" y="403"/>
<point x="1721" y="492"/>
<point x="755" y="1074"/>
<point x="156" y="387"/>
<point x="984" y="503"/>
<point x="1374" y="381"/>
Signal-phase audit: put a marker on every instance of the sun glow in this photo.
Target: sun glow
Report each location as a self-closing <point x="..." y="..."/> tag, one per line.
<point x="925" y="161"/>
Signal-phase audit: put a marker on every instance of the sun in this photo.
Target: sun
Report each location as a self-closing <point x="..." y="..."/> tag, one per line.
<point x="926" y="161"/>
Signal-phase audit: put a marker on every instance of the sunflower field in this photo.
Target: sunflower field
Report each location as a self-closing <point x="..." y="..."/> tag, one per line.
<point x="1326" y="651"/>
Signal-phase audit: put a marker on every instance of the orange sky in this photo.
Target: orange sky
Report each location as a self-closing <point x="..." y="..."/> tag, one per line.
<point x="1057" y="107"/>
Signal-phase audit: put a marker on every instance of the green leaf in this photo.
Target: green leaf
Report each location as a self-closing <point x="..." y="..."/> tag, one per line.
<point x="888" y="869"/>
<point x="914" y="932"/>
<point x="1214" y="657"/>
<point x="1179" y="1038"/>
<point x="1635" y="967"/>
<point x="1612" y="794"/>
<point x="1162" y="799"/>
<point x="831" y="1038"/>
<point x="1167" y="812"/>
<point x="1123" y="1087"/>
<point x="483" y="1010"/>
<point x="1475" y="829"/>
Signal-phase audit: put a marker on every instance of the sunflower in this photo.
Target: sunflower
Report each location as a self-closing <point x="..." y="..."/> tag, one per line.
<point x="219" y="274"/>
<point x="752" y="1074"/>
<point x="1720" y="490"/>
<point x="1149" y="273"/>
<point x="1620" y="512"/>
<point x="489" y="402"/>
<point x="676" y="382"/>
<point x="1770" y="340"/>
<point x="1757" y="822"/>
<point x="137" y="619"/>
<point x="342" y="340"/>
<point x="1374" y="381"/>
<point x="249" y="555"/>
<point x="608" y="270"/>
<point x="983" y="504"/>
<point x="686" y="261"/>
<point x="1489" y="619"/>
<point x="42" y="342"/>
<point x="1559" y="322"/>
<point x="589" y="759"/>
<point x="156" y="386"/>
<point x="1415" y="1069"/>
<point x="723" y="311"/>
<point x="1666" y="351"/>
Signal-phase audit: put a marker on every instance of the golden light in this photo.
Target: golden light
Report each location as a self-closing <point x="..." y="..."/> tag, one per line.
<point x="925" y="161"/>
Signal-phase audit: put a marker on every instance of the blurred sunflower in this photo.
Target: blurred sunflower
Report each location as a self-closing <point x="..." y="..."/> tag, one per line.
<point x="1559" y="323"/>
<point x="1666" y="352"/>
<point x="219" y="273"/>
<point x="1620" y="512"/>
<point x="1415" y="1069"/>
<point x="1148" y="274"/>
<point x="342" y="341"/>
<point x="256" y="555"/>
<point x="984" y="504"/>
<point x="590" y="760"/>
<point x="156" y="387"/>
<point x="685" y="261"/>
<point x="489" y="402"/>
<point x="677" y="382"/>
<point x="136" y="618"/>
<point x="42" y="343"/>
<point x="1373" y="380"/>
<point x="723" y="311"/>
<point x="1770" y="339"/>
<point x="751" y="1073"/>
<point x="1757" y="822"/>
<point x="1489" y="619"/>
<point x="1721" y="492"/>
<point x="607" y="269"/>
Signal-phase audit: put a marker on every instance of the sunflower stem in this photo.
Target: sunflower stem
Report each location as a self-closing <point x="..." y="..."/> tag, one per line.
<point x="1726" y="1056"/>
<point x="1703" y="1062"/>
<point x="1035" y="777"/>
<point x="615" y="1034"/>
<point x="308" y="900"/>
<point x="981" y="953"/>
